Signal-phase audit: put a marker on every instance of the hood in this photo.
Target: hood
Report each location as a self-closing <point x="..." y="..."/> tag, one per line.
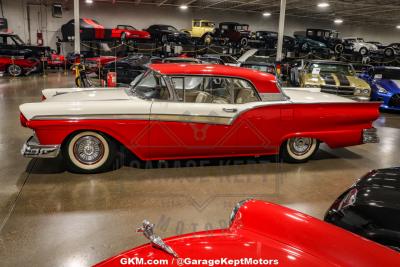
<point x="315" y="43"/>
<point x="90" y="95"/>
<point x="335" y="79"/>
<point x="264" y="230"/>
<point x="392" y="86"/>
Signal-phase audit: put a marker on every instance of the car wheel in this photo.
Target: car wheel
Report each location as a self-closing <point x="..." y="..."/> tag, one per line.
<point x="389" y="52"/>
<point x="89" y="152"/>
<point x="299" y="149"/>
<point x="14" y="70"/>
<point x="305" y="47"/>
<point x="339" y="48"/>
<point x="164" y="39"/>
<point x="207" y="40"/>
<point x="363" y="51"/>
<point x="123" y="37"/>
<point x="244" y="42"/>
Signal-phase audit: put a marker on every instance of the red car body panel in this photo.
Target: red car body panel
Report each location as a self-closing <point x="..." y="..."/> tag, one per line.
<point x="25" y="64"/>
<point x="152" y="140"/>
<point x="99" y="29"/>
<point x="268" y="231"/>
<point x="56" y="60"/>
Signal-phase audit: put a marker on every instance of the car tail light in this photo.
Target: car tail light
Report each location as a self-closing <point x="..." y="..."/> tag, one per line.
<point x="23" y="120"/>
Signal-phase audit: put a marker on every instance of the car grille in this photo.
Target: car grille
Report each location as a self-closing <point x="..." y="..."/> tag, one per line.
<point x="395" y="101"/>
<point x="338" y="90"/>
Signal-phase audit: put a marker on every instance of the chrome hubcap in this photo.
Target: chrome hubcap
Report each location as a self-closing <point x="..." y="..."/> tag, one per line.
<point x="14" y="70"/>
<point x="88" y="150"/>
<point x="300" y="145"/>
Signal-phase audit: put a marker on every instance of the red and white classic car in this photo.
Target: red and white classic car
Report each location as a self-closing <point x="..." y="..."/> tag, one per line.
<point x="260" y="234"/>
<point x="178" y="111"/>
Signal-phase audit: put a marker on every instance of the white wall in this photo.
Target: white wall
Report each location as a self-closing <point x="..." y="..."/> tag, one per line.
<point x="143" y="15"/>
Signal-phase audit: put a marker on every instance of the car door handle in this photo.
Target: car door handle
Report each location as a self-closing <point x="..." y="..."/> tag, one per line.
<point x="230" y="110"/>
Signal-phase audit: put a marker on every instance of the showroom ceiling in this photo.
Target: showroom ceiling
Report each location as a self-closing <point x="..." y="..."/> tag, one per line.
<point x="378" y="12"/>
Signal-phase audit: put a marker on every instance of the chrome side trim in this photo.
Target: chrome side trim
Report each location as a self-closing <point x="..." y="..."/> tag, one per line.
<point x="273" y="97"/>
<point x="370" y="136"/>
<point x="33" y="149"/>
<point x="93" y="117"/>
<point x="192" y="118"/>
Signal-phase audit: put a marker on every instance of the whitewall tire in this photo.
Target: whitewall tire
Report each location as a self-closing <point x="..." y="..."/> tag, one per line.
<point x="89" y="152"/>
<point x="299" y="149"/>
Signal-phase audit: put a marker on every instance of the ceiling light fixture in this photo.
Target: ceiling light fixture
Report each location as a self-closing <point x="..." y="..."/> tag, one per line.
<point x="183" y="7"/>
<point x="338" y="21"/>
<point x="266" y="14"/>
<point x="89" y="1"/>
<point x="398" y="27"/>
<point x="323" y="5"/>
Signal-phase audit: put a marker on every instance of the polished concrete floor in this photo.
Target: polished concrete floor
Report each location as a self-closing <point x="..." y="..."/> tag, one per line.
<point x="49" y="217"/>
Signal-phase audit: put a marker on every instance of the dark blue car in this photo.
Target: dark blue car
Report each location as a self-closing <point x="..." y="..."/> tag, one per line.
<point x="385" y="85"/>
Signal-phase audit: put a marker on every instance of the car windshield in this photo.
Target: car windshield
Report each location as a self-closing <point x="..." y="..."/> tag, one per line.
<point x="317" y="68"/>
<point x="208" y="24"/>
<point x="168" y="28"/>
<point x="150" y="85"/>
<point x="388" y="74"/>
<point x="361" y="40"/>
<point x="242" y="27"/>
<point x="17" y="40"/>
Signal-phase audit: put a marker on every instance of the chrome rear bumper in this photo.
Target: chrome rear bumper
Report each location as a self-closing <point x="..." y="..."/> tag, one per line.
<point x="370" y="136"/>
<point x="33" y="149"/>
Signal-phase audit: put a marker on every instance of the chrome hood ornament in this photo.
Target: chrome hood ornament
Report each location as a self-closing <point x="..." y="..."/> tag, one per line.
<point x="148" y="231"/>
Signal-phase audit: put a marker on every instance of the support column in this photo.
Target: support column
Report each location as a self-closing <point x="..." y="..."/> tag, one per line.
<point x="77" y="46"/>
<point x="281" y="30"/>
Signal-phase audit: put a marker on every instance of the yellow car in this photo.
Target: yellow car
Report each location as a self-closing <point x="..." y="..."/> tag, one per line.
<point x="202" y="29"/>
<point x="334" y="77"/>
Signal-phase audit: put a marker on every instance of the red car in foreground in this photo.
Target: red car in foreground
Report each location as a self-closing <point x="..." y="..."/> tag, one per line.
<point x="18" y="66"/>
<point x="178" y="111"/>
<point x="128" y="32"/>
<point x="260" y="234"/>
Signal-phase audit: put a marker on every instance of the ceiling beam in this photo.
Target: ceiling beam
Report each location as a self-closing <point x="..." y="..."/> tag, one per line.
<point x="162" y="2"/>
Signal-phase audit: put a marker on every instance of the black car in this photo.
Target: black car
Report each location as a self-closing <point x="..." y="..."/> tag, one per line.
<point x="219" y="59"/>
<point x="329" y="37"/>
<point x="388" y="50"/>
<point x="269" y="40"/>
<point x="12" y="45"/>
<point x="371" y="207"/>
<point x="166" y="33"/>
<point x="307" y="45"/>
<point x="128" y="68"/>
<point x="90" y="30"/>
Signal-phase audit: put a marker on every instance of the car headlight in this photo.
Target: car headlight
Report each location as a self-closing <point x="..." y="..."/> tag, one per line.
<point x="366" y="91"/>
<point x="358" y="91"/>
<point x="381" y="90"/>
<point x="312" y="86"/>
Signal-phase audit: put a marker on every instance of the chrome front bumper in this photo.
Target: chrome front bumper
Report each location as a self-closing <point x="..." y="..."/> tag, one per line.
<point x="33" y="149"/>
<point x="370" y="136"/>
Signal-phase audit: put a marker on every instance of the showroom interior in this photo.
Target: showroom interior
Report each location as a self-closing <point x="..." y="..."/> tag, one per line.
<point x="271" y="127"/>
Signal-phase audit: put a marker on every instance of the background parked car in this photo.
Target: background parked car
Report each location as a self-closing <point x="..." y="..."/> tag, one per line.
<point x="233" y="32"/>
<point x="306" y="45"/>
<point x="358" y="45"/>
<point x="17" y="67"/>
<point x="201" y="30"/>
<point x="385" y="85"/>
<point x="388" y="50"/>
<point x="269" y="40"/>
<point x="12" y="45"/>
<point x="329" y="37"/>
<point x="90" y="30"/>
<point x="221" y="59"/>
<point x="166" y="33"/>
<point x="128" y="32"/>
<point x="370" y="208"/>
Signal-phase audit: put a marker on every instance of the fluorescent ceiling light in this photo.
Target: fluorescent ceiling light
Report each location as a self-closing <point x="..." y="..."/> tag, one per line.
<point x="398" y="26"/>
<point x="89" y="1"/>
<point x="323" y="5"/>
<point x="183" y="7"/>
<point x="338" y="21"/>
<point x="266" y="14"/>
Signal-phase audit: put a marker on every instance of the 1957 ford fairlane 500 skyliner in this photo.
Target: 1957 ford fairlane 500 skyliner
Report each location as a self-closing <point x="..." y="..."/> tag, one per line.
<point x="180" y="111"/>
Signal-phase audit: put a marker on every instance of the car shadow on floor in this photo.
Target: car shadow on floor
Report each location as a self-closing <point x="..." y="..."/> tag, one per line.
<point x="56" y="165"/>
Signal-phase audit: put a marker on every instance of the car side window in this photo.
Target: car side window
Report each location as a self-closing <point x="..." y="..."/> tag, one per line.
<point x="152" y="86"/>
<point x="214" y="90"/>
<point x="196" y="24"/>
